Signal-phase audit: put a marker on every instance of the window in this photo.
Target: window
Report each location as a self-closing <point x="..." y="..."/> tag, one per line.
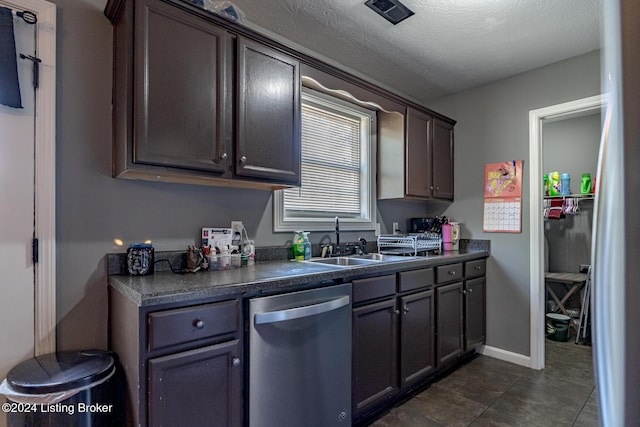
<point x="338" y="169"/>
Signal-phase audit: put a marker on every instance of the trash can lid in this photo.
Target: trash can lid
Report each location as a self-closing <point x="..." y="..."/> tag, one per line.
<point x="56" y="372"/>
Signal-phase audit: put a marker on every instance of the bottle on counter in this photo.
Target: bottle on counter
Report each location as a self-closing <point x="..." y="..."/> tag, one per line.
<point x="249" y="252"/>
<point x="298" y="246"/>
<point x="307" y="246"/>
<point x="545" y="184"/>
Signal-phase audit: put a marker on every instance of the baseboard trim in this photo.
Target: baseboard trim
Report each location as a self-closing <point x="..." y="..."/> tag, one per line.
<point x="507" y="356"/>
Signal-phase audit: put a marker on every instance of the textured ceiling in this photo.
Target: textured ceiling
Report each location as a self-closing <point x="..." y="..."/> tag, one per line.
<point x="448" y="45"/>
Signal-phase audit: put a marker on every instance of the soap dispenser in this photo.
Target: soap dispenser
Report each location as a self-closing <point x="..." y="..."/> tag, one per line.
<point x="307" y="245"/>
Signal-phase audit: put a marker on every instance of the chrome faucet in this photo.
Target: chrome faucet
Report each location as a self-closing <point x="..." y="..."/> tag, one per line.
<point x="337" y="250"/>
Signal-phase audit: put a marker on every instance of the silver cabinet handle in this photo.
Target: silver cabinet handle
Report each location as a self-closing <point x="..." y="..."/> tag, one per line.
<point x="470" y="289"/>
<point x="243" y="159"/>
<point x="452" y="272"/>
<point x="431" y="188"/>
<point x="477" y="267"/>
<point x="235" y="361"/>
<point x="405" y="309"/>
<point x="223" y="156"/>
<point x="300" y="312"/>
<point x="199" y="324"/>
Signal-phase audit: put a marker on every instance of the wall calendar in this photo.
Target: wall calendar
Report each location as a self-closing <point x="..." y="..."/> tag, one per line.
<point x="503" y="197"/>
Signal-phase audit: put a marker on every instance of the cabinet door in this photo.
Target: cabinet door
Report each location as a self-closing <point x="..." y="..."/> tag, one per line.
<point x="375" y="376"/>
<point x="417" y="349"/>
<point x="180" y="83"/>
<point x="442" y="159"/>
<point x="474" y="310"/>
<point x="201" y="387"/>
<point x="418" y="159"/>
<point x="449" y="322"/>
<point x="268" y="134"/>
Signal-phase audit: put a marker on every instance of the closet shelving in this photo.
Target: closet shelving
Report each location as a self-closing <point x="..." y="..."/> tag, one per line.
<point x="557" y="207"/>
<point x="579" y="196"/>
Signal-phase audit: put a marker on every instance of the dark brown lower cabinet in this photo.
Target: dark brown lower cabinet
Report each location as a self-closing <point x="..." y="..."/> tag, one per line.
<point x="474" y="308"/>
<point x="196" y="387"/>
<point x="417" y="352"/>
<point x="393" y="337"/>
<point x="375" y="374"/>
<point x="449" y="323"/>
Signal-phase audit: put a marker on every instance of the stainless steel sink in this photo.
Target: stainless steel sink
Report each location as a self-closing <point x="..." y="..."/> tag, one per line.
<point x="343" y="261"/>
<point x="368" y="259"/>
<point x="383" y="257"/>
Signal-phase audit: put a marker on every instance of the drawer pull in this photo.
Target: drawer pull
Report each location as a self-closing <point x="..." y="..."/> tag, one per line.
<point x="235" y="361"/>
<point x="477" y="267"/>
<point x="199" y="324"/>
<point x="406" y="309"/>
<point x="452" y="272"/>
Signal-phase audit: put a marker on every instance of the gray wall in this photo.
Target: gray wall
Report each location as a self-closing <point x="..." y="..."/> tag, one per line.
<point x="93" y="208"/>
<point x="493" y="126"/>
<point x="571" y="146"/>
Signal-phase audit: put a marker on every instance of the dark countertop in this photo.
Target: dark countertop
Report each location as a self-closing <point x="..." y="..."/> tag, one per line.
<point x="262" y="278"/>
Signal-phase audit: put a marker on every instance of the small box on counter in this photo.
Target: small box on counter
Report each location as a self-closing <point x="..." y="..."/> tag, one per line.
<point x="217" y="237"/>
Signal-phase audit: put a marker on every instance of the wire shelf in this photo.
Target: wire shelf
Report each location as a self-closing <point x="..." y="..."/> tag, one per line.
<point x="413" y="242"/>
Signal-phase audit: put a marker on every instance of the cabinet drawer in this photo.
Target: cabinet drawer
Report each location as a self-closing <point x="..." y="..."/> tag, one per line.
<point x="374" y="287"/>
<point x="449" y="273"/>
<point x="183" y="325"/>
<point x="416" y="279"/>
<point x="475" y="268"/>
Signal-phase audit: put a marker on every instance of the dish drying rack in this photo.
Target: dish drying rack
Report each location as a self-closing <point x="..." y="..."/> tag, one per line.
<point x="411" y="243"/>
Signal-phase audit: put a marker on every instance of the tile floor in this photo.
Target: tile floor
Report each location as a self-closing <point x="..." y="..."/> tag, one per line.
<point x="490" y="392"/>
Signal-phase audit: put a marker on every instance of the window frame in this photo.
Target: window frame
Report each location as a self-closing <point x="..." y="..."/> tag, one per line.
<point x="368" y="210"/>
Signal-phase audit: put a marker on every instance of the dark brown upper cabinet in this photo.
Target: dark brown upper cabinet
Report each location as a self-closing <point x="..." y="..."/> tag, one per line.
<point x="180" y="90"/>
<point x="442" y="159"/>
<point x="415" y="156"/>
<point x="418" y="157"/>
<point x="268" y="134"/>
<point x="179" y="74"/>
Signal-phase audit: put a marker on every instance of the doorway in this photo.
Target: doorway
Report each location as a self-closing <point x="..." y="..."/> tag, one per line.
<point x="537" y="296"/>
<point x="28" y="146"/>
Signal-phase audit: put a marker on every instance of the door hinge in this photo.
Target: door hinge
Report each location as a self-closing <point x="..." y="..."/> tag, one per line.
<point x="36" y="69"/>
<point x="34" y="250"/>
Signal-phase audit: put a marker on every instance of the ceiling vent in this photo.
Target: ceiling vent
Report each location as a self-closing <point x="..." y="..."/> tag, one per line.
<point x="391" y="10"/>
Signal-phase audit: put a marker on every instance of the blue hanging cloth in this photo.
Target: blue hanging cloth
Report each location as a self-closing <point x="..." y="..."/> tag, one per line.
<point x="9" y="84"/>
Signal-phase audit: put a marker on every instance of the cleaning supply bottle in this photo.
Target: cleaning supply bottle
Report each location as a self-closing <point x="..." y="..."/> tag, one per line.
<point x="545" y="184"/>
<point x="298" y="246"/>
<point x="585" y="184"/>
<point x="554" y="181"/>
<point x="307" y="246"/>
<point x="565" y="183"/>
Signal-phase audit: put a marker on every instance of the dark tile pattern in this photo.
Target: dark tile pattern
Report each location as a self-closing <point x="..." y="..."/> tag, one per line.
<point x="491" y="392"/>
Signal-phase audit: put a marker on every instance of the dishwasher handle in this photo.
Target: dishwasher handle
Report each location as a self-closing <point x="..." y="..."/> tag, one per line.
<point x="300" y="312"/>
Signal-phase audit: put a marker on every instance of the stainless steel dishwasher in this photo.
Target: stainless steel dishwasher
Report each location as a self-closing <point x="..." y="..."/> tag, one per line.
<point x="300" y="358"/>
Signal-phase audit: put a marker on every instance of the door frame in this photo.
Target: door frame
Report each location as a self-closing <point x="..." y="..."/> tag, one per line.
<point x="45" y="174"/>
<point x="536" y="241"/>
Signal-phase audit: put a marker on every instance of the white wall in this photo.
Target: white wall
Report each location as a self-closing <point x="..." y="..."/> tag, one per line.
<point x="493" y="126"/>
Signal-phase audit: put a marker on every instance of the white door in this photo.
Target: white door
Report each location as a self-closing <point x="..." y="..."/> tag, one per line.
<point x="17" y="214"/>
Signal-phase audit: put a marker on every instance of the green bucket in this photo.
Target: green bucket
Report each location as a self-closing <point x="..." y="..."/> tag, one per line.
<point x="558" y="327"/>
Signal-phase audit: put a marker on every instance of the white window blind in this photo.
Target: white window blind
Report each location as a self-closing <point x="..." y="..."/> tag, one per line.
<point x="337" y="168"/>
<point x="331" y="165"/>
